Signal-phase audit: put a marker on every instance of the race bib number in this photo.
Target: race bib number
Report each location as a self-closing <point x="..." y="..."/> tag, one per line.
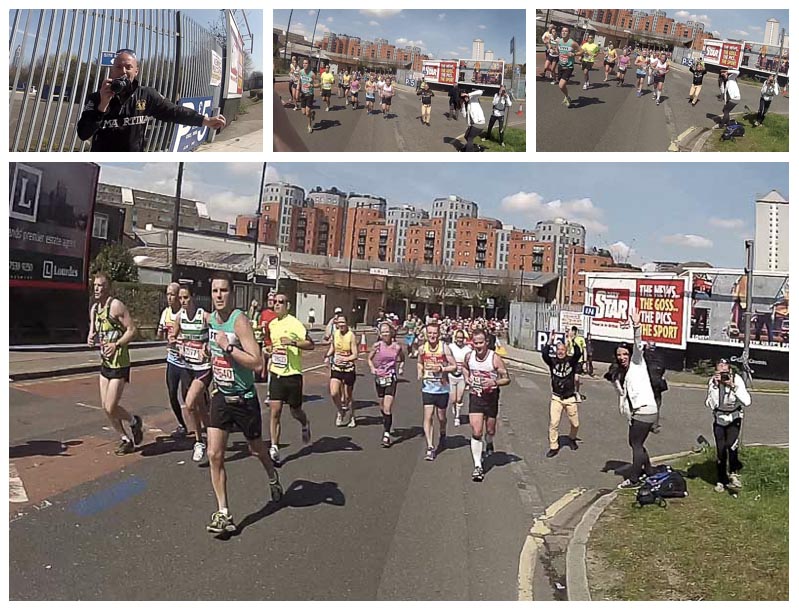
<point x="192" y="351"/>
<point x="223" y="372"/>
<point x="280" y="359"/>
<point x="384" y="381"/>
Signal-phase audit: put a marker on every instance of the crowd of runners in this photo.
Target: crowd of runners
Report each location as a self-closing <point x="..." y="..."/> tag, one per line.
<point x="214" y="357"/>
<point x="379" y="90"/>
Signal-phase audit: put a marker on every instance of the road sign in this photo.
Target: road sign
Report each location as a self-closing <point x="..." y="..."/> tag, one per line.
<point x="378" y="271"/>
<point x="589" y="310"/>
<point x="107" y="58"/>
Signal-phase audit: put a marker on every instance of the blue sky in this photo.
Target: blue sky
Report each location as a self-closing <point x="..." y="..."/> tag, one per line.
<point x="440" y="33"/>
<point x="202" y="17"/>
<point x="655" y="212"/>
<point x="733" y="23"/>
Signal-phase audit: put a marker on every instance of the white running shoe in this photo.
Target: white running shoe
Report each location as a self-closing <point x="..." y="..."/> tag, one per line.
<point x="719" y="487"/>
<point x="735" y="481"/>
<point x="199" y="451"/>
<point x="351" y="424"/>
<point x="339" y="418"/>
<point x="274" y="454"/>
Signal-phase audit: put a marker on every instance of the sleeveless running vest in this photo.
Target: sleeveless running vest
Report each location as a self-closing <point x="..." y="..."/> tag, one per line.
<point x="434" y="382"/>
<point x="230" y="378"/>
<point x="109" y="330"/>
<point x="482" y="371"/>
<point x="194" y="340"/>
<point x="342" y="345"/>
<point x="172" y="350"/>
<point x="565" y="50"/>
<point x="385" y="359"/>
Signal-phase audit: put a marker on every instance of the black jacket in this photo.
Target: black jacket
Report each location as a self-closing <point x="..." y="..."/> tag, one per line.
<point x="698" y="75"/>
<point x="562" y="372"/>
<point x="121" y="128"/>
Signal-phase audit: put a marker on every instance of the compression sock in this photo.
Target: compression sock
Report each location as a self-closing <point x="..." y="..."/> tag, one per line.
<point x="489" y="439"/>
<point x="477" y="451"/>
<point x="387" y="420"/>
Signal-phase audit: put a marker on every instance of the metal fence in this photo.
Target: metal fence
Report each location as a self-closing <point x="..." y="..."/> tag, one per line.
<point x="528" y="317"/>
<point x="55" y="60"/>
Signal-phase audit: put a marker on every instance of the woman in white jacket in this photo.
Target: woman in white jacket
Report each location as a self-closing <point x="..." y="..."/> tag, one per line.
<point x="475" y="119"/>
<point x="731" y="94"/>
<point x="636" y="402"/>
<point x="768" y="92"/>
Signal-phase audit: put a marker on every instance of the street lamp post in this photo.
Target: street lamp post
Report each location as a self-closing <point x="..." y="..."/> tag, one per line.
<point x="750" y="255"/>
<point x="349" y="266"/>
<point x="176" y="223"/>
<point x="258" y="230"/>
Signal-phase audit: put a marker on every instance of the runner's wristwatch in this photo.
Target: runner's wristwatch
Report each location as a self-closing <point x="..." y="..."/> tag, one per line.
<point x="229" y="349"/>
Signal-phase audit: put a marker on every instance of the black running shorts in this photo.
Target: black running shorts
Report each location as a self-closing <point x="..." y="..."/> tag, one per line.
<point x="566" y="73"/>
<point x="440" y="400"/>
<point x="348" y="377"/>
<point x="306" y="101"/>
<point x="326" y="93"/>
<point x="231" y="413"/>
<point x="287" y="389"/>
<point x="488" y="404"/>
<point x="111" y="373"/>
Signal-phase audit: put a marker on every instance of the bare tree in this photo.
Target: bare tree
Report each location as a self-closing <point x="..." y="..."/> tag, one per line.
<point x="442" y="281"/>
<point x="407" y="284"/>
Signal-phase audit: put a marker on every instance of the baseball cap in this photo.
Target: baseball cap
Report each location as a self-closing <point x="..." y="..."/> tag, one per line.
<point x="337" y="311"/>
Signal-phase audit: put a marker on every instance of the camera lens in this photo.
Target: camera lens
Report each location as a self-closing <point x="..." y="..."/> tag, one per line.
<point x="118" y="85"/>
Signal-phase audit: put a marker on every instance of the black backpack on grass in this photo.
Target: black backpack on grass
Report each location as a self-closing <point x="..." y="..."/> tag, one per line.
<point x="665" y="484"/>
<point x="733" y="130"/>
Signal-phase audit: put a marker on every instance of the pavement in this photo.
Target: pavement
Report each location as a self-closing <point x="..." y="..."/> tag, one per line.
<point x="344" y="129"/>
<point x="611" y="118"/>
<point x="244" y="135"/>
<point x="359" y="522"/>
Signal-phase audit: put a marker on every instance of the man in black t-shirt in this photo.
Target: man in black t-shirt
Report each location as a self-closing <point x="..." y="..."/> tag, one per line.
<point x="562" y="368"/>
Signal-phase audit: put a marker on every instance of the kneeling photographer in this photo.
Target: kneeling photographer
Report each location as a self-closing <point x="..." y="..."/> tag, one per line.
<point x="727" y="396"/>
<point x="115" y="117"/>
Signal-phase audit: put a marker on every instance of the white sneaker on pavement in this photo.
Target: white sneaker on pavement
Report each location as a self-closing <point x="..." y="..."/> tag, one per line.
<point x="199" y="451"/>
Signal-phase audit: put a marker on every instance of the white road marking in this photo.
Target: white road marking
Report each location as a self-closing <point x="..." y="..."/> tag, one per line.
<point x="16" y="489"/>
<point x="87" y="405"/>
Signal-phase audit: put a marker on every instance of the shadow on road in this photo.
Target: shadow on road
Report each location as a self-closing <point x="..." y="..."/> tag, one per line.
<point x="324" y="445"/>
<point x="165" y="445"/>
<point x="42" y="447"/>
<point x="370" y="420"/>
<point x="326" y="124"/>
<point x="583" y="101"/>
<point x="364" y="404"/>
<point x="499" y="459"/>
<point x="453" y="142"/>
<point x="452" y="442"/>
<point x="401" y="435"/>
<point x="619" y="467"/>
<point x="311" y="398"/>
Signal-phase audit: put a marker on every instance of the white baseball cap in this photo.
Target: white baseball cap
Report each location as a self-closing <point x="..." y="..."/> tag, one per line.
<point x="337" y="311"/>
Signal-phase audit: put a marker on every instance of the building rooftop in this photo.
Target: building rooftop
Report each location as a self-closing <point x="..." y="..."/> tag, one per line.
<point x="773" y="197"/>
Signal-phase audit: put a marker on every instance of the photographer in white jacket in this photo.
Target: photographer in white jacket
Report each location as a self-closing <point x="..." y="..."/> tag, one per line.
<point x="768" y="92"/>
<point x="475" y="119"/>
<point x="636" y="401"/>
<point x="730" y="93"/>
<point x="727" y="396"/>
<point x="500" y="107"/>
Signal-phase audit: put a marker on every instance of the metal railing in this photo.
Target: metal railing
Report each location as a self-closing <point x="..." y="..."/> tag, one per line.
<point x="55" y="63"/>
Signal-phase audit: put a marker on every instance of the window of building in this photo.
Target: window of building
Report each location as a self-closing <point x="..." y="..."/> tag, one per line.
<point x="100" y="226"/>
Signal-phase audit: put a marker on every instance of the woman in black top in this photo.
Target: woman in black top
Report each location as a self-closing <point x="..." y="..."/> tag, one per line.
<point x="454" y="101"/>
<point x="427" y="102"/>
<point x="699" y="72"/>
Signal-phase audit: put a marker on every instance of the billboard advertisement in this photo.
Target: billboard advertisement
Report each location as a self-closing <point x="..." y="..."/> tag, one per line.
<point x="660" y="300"/>
<point x="51" y="209"/>
<point x="430" y="71"/>
<point x="234" y="85"/>
<point x="477" y="72"/>
<point x="718" y="301"/>
<point x="765" y="58"/>
<point x="188" y="137"/>
<point x="722" y="53"/>
<point x="443" y="72"/>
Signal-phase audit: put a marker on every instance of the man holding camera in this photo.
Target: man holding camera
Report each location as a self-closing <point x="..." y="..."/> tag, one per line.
<point x="115" y="117"/>
<point x="727" y="396"/>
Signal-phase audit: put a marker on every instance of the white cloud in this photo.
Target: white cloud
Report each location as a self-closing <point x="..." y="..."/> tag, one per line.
<point x="463" y="48"/>
<point x="688" y="16"/>
<point x="739" y="33"/>
<point x="481" y="26"/>
<point x="307" y="30"/>
<point x="381" y="12"/>
<point x="581" y="211"/>
<point x="687" y="240"/>
<point x="404" y="42"/>
<point x="374" y="24"/>
<point x="442" y="16"/>
<point x="621" y="252"/>
<point x="312" y="12"/>
<point x="756" y="28"/>
<point x="727" y="223"/>
<point x="330" y="20"/>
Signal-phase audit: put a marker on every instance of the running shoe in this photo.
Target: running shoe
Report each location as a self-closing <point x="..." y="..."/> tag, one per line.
<point x="756" y="123"/>
<point x="430" y="454"/>
<point x="386" y="440"/>
<point x="125" y="447"/>
<point x="220" y="523"/>
<point x="735" y="481"/>
<point x="327" y="109"/>
<point x="566" y="101"/>
<point x="629" y="484"/>
<point x="306" y="432"/>
<point x="477" y="474"/>
<point x="638" y="94"/>
<point x="657" y="103"/>
<point x="137" y="427"/>
<point x="578" y="397"/>
<point x="553" y="82"/>
<point x="179" y="432"/>
<point x="276" y="489"/>
<point x="199" y="451"/>
<point x="274" y="454"/>
<point x="719" y="487"/>
<point x="654" y="97"/>
<point x="351" y="423"/>
<point x="340" y="418"/>
<point x="552" y="453"/>
<point x="572" y="443"/>
<point x="310" y="129"/>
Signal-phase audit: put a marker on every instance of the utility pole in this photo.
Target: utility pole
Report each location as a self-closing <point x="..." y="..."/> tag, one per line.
<point x="313" y="37"/>
<point x="176" y="223"/>
<point x="288" y="27"/>
<point x="750" y="256"/>
<point x="258" y="230"/>
<point x="349" y="266"/>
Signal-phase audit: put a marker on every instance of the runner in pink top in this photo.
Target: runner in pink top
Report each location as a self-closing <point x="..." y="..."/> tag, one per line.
<point x="386" y="361"/>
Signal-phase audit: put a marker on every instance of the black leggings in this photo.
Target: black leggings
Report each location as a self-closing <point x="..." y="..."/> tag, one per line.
<point x="761" y="113"/>
<point x="637" y="435"/>
<point x="491" y="122"/>
<point x="177" y="377"/>
<point x="727" y="446"/>
<point x="471" y="133"/>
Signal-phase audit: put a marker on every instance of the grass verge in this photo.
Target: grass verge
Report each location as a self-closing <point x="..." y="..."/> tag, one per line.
<point x="772" y="136"/>
<point x="708" y="546"/>
<point x="515" y="141"/>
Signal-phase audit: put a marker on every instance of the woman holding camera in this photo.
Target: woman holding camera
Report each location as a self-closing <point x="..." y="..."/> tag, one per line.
<point x="727" y="396"/>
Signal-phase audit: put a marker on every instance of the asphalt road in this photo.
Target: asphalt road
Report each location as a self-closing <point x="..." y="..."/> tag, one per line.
<point x="611" y="118"/>
<point x="345" y="129"/>
<point x="358" y="521"/>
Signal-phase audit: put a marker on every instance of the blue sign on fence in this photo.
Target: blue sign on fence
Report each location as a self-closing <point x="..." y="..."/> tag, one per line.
<point x="187" y="137"/>
<point x="107" y="58"/>
<point x="589" y="310"/>
<point x="410" y="82"/>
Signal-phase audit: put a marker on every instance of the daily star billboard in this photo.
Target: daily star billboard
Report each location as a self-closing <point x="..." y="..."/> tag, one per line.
<point x="723" y="53"/>
<point x="660" y="300"/>
<point x="444" y="72"/>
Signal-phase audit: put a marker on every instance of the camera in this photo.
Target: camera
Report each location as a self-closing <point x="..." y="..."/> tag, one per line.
<point x="725" y="377"/>
<point x="118" y="85"/>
